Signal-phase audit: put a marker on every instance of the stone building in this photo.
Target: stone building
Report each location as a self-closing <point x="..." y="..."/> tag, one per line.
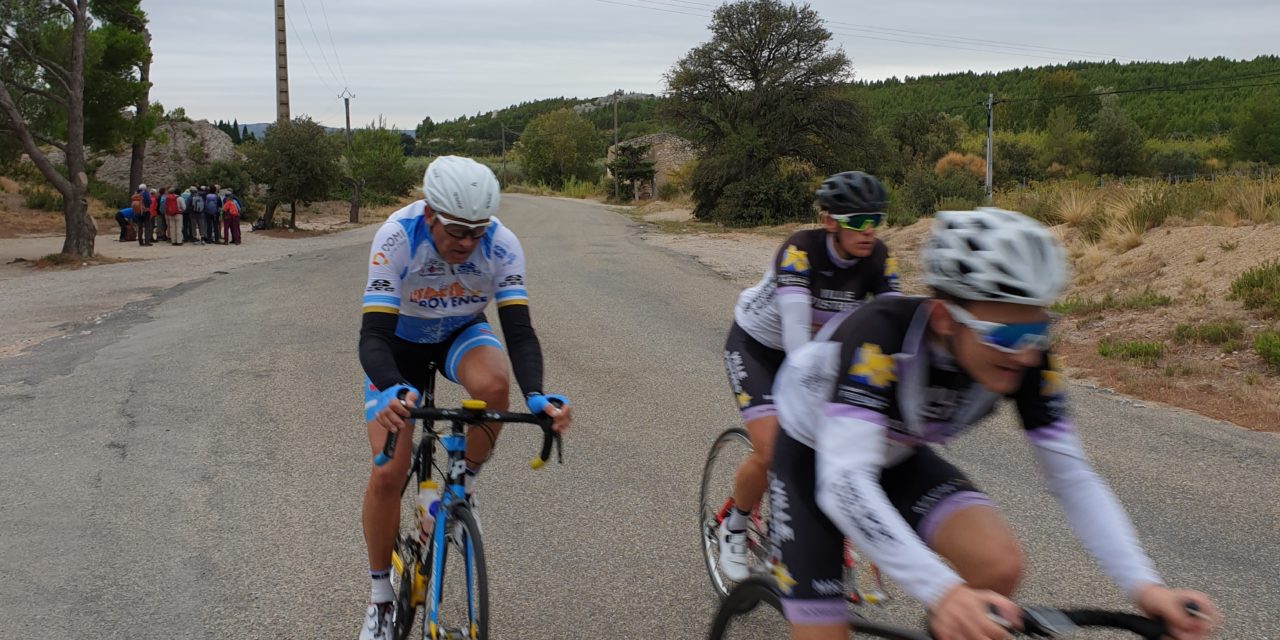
<point x="667" y="151"/>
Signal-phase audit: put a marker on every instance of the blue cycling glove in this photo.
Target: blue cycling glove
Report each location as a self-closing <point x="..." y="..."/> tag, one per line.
<point x="383" y="399"/>
<point x="538" y="402"/>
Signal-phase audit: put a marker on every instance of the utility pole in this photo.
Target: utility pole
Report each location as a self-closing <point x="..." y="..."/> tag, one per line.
<point x="503" y="125"/>
<point x="617" y="97"/>
<point x="282" y="67"/>
<point x="991" y="117"/>
<point x="346" y="96"/>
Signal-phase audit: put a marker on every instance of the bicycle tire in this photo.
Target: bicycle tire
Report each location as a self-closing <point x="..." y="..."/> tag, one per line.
<point x="745" y="597"/>
<point x="406" y="610"/>
<point x="736" y="437"/>
<point x="478" y="578"/>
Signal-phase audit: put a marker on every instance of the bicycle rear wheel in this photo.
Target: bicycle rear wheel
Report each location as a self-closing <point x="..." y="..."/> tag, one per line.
<point x="462" y="603"/>
<point x="714" y="499"/>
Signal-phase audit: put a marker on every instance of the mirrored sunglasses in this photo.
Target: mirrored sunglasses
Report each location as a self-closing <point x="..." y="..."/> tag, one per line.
<point x="461" y="230"/>
<point x="1009" y="338"/>
<point x="858" y="221"/>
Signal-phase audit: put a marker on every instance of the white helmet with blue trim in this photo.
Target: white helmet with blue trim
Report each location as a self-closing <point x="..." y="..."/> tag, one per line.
<point x="461" y="187"/>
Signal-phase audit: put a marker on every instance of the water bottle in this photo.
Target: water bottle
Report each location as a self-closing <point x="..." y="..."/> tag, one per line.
<point x="428" y="505"/>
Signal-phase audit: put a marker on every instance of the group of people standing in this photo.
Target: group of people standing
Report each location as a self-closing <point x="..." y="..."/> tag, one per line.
<point x="199" y="215"/>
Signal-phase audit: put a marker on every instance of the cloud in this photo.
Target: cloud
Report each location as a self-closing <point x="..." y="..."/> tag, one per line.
<point x="407" y="59"/>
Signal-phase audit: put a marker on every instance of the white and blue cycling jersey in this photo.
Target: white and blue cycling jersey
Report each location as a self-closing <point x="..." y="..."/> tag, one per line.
<point x="433" y="299"/>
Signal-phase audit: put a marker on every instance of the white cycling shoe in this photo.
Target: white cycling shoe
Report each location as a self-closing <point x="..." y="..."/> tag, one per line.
<point x="733" y="553"/>
<point x="377" y="622"/>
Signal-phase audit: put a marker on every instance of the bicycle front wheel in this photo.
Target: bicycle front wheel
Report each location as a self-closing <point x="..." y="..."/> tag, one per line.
<point x="462" y="602"/>
<point x="730" y="449"/>
<point x="740" y="617"/>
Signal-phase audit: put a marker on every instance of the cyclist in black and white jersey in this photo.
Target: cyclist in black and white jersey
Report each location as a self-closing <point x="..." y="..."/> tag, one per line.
<point x="814" y="275"/>
<point x="861" y="403"/>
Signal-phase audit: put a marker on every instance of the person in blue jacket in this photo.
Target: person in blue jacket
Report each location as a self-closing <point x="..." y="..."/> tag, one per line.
<point x="124" y="218"/>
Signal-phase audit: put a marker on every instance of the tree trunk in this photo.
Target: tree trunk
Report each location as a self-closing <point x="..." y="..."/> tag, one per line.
<point x="293" y="214"/>
<point x="269" y="215"/>
<point x="81" y="231"/>
<point x="356" y="186"/>
<point x="143" y="107"/>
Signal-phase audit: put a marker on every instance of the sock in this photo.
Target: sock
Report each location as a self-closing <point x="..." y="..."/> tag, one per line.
<point x="738" y="520"/>
<point x="380" y="586"/>
<point x="470" y="480"/>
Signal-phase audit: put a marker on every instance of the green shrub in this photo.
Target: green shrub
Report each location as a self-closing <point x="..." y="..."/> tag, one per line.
<point x="764" y="200"/>
<point x="1209" y="332"/>
<point x="1267" y="345"/>
<point x="1259" y="288"/>
<point x="575" y="188"/>
<point x="40" y="198"/>
<point x="112" y="196"/>
<point x="1143" y="351"/>
<point x="1147" y="299"/>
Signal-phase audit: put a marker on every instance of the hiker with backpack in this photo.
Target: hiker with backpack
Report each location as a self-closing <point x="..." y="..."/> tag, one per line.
<point x="140" y="202"/>
<point x="230" y="219"/>
<point x="212" y="214"/>
<point x="157" y="214"/>
<point x="173" y="215"/>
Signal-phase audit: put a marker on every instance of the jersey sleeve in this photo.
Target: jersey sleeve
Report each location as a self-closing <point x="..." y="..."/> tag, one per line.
<point x="388" y="262"/>
<point x="793" y="266"/>
<point x="1096" y="516"/>
<point x="885" y="275"/>
<point x="509" y="270"/>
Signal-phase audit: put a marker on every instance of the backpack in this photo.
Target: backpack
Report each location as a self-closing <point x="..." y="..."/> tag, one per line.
<point x="171" y="204"/>
<point x="197" y="203"/>
<point x="135" y="203"/>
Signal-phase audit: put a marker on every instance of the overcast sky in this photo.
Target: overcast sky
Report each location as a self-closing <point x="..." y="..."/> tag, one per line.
<point x="406" y="59"/>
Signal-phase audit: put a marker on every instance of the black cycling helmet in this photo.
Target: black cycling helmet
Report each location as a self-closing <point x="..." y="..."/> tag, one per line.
<point x="851" y="192"/>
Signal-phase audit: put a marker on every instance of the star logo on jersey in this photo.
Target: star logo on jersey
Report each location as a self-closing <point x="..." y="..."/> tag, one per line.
<point x="795" y="260"/>
<point x="744" y="399"/>
<point x="782" y="576"/>
<point x="872" y="367"/>
<point x="891" y="268"/>
<point x="1052" y="382"/>
<point x="379" y="259"/>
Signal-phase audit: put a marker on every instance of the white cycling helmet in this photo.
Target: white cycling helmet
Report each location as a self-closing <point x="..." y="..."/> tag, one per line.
<point x="994" y="255"/>
<point x="461" y="187"/>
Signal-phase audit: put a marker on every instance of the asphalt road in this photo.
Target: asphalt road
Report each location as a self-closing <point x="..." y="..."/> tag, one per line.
<point x="191" y="466"/>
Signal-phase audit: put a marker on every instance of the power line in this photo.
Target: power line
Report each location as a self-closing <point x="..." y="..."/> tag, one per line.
<point x="962" y="40"/>
<point x="306" y="53"/>
<point x="317" y="39"/>
<point x="992" y="48"/>
<point x="332" y="44"/>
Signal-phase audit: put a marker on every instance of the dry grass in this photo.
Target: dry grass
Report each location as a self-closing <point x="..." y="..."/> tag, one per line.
<point x="1076" y="205"/>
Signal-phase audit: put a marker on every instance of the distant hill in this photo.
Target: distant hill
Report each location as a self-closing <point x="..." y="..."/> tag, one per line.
<point x="258" y="128"/>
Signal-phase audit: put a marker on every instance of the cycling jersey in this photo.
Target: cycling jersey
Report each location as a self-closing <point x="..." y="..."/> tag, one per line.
<point x="433" y="298"/>
<point x="806" y="285"/>
<point x="412" y="294"/>
<point x="871" y="387"/>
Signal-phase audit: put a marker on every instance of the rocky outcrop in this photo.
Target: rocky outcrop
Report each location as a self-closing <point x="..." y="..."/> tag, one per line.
<point x="176" y="147"/>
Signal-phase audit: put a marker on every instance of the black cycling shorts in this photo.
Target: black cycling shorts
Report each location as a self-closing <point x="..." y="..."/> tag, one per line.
<point x="751" y="367"/>
<point x="924" y="488"/>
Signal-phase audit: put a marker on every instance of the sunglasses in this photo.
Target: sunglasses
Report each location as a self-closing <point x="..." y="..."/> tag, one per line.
<point x="462" y="230"/>
<point x="1009" y="338"/>
<point x="858" y="221"/>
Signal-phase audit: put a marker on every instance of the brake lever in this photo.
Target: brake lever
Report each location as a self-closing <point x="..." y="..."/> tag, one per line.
<point x="1044" y="622"/>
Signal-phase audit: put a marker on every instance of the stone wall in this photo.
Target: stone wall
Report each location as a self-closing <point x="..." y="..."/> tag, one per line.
<point x="667" y="151"/>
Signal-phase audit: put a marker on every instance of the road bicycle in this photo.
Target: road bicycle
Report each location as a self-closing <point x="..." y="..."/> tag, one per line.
<point x="740" y="616"/>
<point x="419" y="565"/>
<point x="863" y="583"/>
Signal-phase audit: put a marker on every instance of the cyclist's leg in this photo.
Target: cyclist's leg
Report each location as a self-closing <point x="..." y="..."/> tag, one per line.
<point x="381" y="507"/>
<point x="956" y="519"/>
<point x="808" y="546"/>
<point x="752" y="367"/>
<point x="476" y="361"/>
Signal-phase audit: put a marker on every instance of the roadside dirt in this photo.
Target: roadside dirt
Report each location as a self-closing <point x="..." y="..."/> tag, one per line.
<point x="1193" y="266"/>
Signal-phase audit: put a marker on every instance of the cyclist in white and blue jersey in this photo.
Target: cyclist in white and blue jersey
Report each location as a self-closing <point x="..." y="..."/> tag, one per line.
<point x="434" y="267"/>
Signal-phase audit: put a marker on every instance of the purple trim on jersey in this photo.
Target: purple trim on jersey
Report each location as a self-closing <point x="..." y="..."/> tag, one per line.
<point x="759" y="411"/>
<point x="935" y="432"/>
<point x="821" y="318"/>
<point x="792" y="291"/>
<point x="1052" y="431"/>
<point x="838" y="410"/>
<point x="944" y="509"/>
<point x="824" y="611"/>
<point x="835" y="255"/>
